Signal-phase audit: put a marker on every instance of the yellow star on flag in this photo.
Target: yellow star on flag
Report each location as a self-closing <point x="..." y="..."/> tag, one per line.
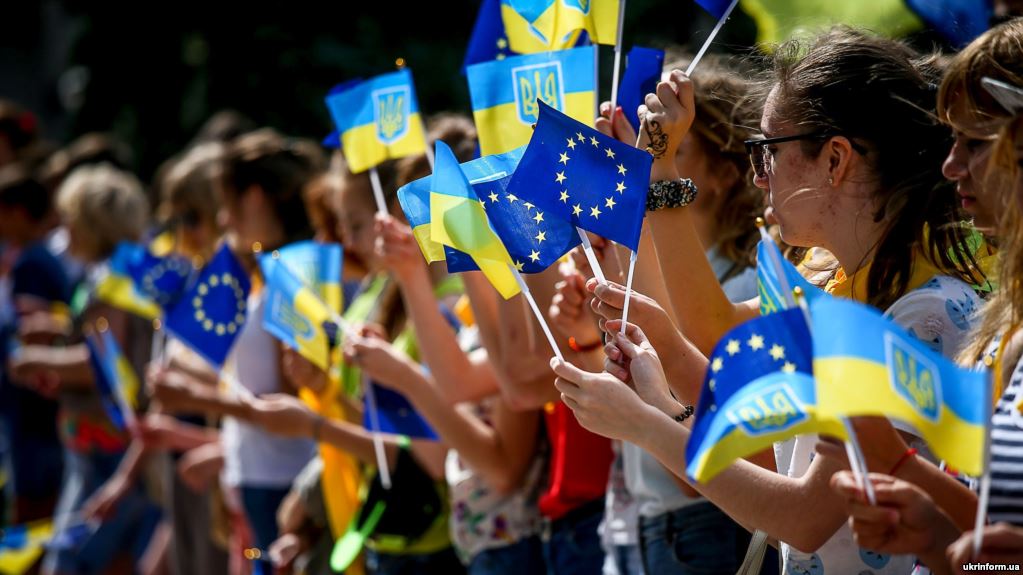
<point x="594" y="141"/>
<point x="535" y="256"/>
<point x="755" y="342"/>
<point x="538" y="217"/>
<point x="595" y="212"/>
<point x="621" y="169"/>
<point x="564" y="159"/>
<point x="777" y="352"/>
<point x="564" y="196"/>
<point x="717" y="364"/>
<point x="621" y="188"/>
<point x="541" y="236"/>
<point x="571" y="144"/>
<point x="789" y="367"/>
<point x="610" y="153"/>
<point x="576" y="210"/>
<point x="609" y="203"/>
<point x="493" y="197"/>
<point x="733" y="347"/>
<point x="560" y="177"/>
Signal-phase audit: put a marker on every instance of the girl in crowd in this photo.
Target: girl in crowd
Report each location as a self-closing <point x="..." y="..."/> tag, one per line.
<point x="850" y="160"/>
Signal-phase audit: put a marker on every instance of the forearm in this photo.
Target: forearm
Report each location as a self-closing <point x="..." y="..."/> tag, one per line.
<point x="358" y="441"/>
<point x="954" y="498"/>
<point x="803" y="512"/>
<point x="71" y="365"/>
<point x="205" y="399"/>
<point x="649" y="279"/>
<point x="483" y="299"/>
<point x="185" y="436"/>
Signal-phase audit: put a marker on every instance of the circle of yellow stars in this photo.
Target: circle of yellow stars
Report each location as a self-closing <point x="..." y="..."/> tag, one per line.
<point x="560" y="177"/>
<point x="755" y="343"/>
<point x="154" y="274"/>
<point x="225" y="281"/>
<point x="541" y="235"/>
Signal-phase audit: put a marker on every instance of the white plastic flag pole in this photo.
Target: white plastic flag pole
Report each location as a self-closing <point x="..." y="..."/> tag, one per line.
<point x="618" y="59"/>
<point x="853" y="451"/>
<point x="378" y="191"/>
<point x="157" y="347"/>
<point x="536" y="311"/>
<point x="985" y="479"/>
<point x="710" y="39"/>
<point x="591" y="257"/>
<point x="378" y="442"/>
<point x="628" y="290"/>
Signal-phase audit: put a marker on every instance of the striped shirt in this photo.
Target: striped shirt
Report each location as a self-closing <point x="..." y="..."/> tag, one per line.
<point x="1007" y="454"/>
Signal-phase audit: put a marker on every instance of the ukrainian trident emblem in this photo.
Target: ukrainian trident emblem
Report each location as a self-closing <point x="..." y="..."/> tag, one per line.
<point x="391" y="113"/>
<point x="537" y="82"/>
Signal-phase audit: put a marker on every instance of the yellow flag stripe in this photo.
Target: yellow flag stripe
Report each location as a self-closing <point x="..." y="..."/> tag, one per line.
<point x="500" y="129"/>
<point x="363" y="149"/>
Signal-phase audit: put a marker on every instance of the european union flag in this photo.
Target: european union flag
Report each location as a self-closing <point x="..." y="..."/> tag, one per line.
<point x="642" y="72"/>
<point x="758" y="389"/>
<point x="397" y="416"/>
<point x="210" y="314"/>
<point x="504" y="94"/>
<point x="118" y="287"/>
<point x="160" y="278"/>
<point x="868" y="365"/>
<point x="774" y="288"/>
<point x="489" y="40"/>
<point x="377" y="119"/>
<point x="578" y="175"/>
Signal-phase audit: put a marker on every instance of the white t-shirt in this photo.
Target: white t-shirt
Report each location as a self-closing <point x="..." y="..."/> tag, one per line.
<point x="254" y="457"/>
<point x="939" y="313"/>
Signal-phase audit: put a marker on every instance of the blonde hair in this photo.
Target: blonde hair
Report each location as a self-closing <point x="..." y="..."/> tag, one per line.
<point x="192" y="183"/>
<point x="105" y="203"/>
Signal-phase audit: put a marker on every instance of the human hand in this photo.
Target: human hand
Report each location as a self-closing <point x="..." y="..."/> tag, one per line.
<point x="397" y="248"/>
<point x="199" y="467"/>
<point x="1003" y="543"/>
<point x="569" y="313"/>
<point x="283" y="415"/>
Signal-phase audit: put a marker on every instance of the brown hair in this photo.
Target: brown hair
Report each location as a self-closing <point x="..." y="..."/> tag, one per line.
<point x="317" y="195"/>
<point x="727" y="106"/>
<point x="880" y="94"/>
<point x="190" y="185"/>
<point x="280" y="167"/>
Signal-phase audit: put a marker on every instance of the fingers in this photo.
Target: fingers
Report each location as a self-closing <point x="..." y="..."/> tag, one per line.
<point x="620" y="372"/>
<point x="564" y="369"/>
<point x="603" y="125"/>
<point x="683" y="88"/>
<point x="622" y="128"/>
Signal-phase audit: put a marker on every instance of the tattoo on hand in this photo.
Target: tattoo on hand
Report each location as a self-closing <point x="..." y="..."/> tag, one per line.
<point x="658" y="145"/>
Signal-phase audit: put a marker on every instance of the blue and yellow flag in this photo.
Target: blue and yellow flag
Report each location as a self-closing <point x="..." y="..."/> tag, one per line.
<point x="21" y="546"/>
<point x="459" y="220"/>
<point x="868" y="365"/>
<point x="210" y="314"/>
<point x="578" y="175"/>
<point x="642" y="73"/>
<point x="396" y="415"/>
<point x="114" y="379"/>
<point x="555" y="23"/>
<point x="759" y="389"/>
<point x="140" y="282"/>
<point x="378" y="119"/>
<point x="504" y="94"/>
<point x="774" y="286"/>
<point x="118" y="289"/>
<point x="318" y="265"/>
<point x="779" y="20"/>
<point x="296" y="315"/>
<point x="533" y="241"/>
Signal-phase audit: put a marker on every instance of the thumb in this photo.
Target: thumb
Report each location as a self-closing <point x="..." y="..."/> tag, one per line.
<point x="610" y="293"/>
<point x="565" y="370"/>
<point x="627" y="342"/>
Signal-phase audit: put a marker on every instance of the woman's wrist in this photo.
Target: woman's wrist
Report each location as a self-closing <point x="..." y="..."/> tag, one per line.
<point x="664" y="169"/>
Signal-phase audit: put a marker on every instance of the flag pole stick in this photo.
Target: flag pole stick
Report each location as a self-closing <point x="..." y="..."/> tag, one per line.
<point x="591" y="257"/>
<point x="984" y="496"/>
<point x="618" y="59"/>
<point x="628" y="290"/>
<point x="853" y="451"/>
<point x="378" y="191"/>
<point x="536" y="311"/>
<point x="378" y="441"/>
<point x="710" y="39"/>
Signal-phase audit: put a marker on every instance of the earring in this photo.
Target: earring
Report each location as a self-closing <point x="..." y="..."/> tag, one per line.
<point x="831" y="181"/>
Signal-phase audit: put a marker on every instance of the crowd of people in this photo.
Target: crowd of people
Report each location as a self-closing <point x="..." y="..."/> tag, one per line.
<point x="891" y="177"/>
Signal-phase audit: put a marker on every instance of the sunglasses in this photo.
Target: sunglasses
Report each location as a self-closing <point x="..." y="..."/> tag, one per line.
<point x="760" y="155"/>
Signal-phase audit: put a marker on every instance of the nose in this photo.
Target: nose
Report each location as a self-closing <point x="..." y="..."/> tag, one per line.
<point x="955" y="167"/>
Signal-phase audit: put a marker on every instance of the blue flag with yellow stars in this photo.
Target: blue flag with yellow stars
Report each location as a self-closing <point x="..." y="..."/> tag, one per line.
<point x="397" y="415"/>
<point x="160" y="278"/>
<point x="210" y="314"/>
<point x="106" y="374"/>
<point x="575" y="174"/>
<point x="758" y="389"/>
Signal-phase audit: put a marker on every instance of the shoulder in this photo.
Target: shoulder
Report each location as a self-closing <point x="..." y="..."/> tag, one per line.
<point x="940" y="313"/>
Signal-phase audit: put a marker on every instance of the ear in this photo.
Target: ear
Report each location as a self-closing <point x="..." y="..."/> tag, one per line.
<point x="839" y="153"/>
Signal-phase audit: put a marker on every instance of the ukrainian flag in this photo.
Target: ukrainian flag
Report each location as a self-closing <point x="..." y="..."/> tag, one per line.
<point x="868" y="365"/>
<point x="22" y="545"/>
<point x="504" y="94"/>
<point x="775" y="285"/>
<point x="458" y="220"/>
<point x="318" y="265"/>
<point x="555" y="24"/>
<point x="378" y="119"/>
<point x="295" y="314"/>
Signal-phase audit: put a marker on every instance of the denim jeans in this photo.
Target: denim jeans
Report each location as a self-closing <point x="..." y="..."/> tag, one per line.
<point x="260" y="505"/>
<point x="695" y="540"/>
<point x="573" y="547"/>
<point x="129" y="529"/>
<point x="523" y="556"/>
<point x="623" y="560"/>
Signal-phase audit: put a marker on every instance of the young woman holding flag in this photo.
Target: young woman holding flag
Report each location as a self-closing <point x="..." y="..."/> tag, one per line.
<point x="851" y="164"/>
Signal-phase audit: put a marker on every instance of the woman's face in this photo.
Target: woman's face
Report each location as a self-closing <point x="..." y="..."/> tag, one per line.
<point x="967" y="165"/>
<point x="798" y="194"/>
<point x="355" y="215"/>
<point x="81" y="244"/>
